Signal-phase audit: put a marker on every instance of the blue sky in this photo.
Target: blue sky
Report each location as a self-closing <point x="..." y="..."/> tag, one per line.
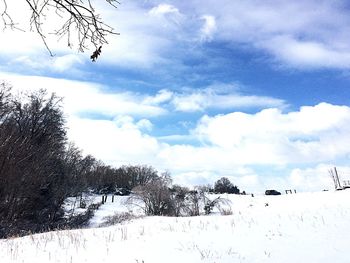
<point x="257" y="91"/>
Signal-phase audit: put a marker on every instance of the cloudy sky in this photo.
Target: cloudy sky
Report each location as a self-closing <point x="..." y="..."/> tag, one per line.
<point x="257" y="91"/>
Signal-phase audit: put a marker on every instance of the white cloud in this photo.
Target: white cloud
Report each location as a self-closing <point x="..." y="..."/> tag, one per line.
<point x="190" y="102"/>
<point x="144" y="124"/>
<point x="162" y="96"/>
<point x="312" y="39"/>
<point x="136" y="47"/>
<point x="88" y="98"/>
<point x="213" y="97"/>
<point x="230" y="145"/>
<point x="312" y="134"/>
<point x="66" y="62"/>
<point x="168" y="16"/>
<point x="233" y="144"/>
<point x="224" y="145"/>
<point x="116" y="142"/>
<point x="27" y="61"/>
<point x="18" y="42"/>
<point x="152" y="31"/>
<point x="26" y="52"/>
<point x="245" y="178"/>
<point x="232" y="149"/>
<point x="208" y="28"/>
<point x="317" y="178"/>
<point x="23" y="41"/>
<point x="162" y="9"/>
<point x="307" y="53"/>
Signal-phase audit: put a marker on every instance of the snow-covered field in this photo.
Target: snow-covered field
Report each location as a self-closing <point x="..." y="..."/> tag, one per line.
<point x="304" y="227"/>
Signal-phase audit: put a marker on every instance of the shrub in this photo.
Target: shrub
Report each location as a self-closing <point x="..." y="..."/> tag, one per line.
<point x="117" y="218"/>
<point x="218" y="203"/>
<point x="226" y="212"/>
<point x="155" y="197"/>
<point x="223" y="185"/>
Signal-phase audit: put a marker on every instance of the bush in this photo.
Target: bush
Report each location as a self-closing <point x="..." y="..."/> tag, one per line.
<point x="218" y="203"/>
<point x="226" y="212"/>
<point x="117" y="218"/>
<point x="224" y="185"/>
<point x="155" y="197"/>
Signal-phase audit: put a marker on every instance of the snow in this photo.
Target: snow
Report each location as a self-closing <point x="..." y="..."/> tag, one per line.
<point x="303" y="227"/>
<point x="109" y="208"/>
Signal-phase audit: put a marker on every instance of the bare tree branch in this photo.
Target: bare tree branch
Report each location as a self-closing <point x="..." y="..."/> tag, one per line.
<point x="81" y="24"/>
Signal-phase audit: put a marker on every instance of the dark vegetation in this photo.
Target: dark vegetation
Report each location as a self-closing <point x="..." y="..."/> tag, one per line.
<point x="39" y="169"/>
<point x="224" y="185"/>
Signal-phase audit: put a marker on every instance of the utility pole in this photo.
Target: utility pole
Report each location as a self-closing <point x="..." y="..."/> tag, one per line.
<point x="331" y="173"/>
<point x="337" y="176"/>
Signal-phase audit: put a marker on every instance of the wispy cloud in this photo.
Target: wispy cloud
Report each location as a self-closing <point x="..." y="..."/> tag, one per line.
<point x="211" y="98"/>
<point x="66" y="62"/>
<point x="163" y="9"/>
<point x="192" y="100"/>
<point x="86" y="98"/>
<point x="153" y="30"/>
<point x="208" y="28"/>
<point x="307" y="54"/>
<point x="162" y="96"/>
<point x="312" y="39"/>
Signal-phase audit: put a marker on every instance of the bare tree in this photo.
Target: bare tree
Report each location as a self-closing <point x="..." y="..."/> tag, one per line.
<point x="32" y="139"/>
<point x="80" y="22"/>
<point x="154" y="198"/>
<point x="158" y="198"/>
<point x="179" y="199"/>
<point x="130" y="176"/>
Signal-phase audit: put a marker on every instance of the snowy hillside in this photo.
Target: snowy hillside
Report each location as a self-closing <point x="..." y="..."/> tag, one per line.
<point x="304" y="227"/>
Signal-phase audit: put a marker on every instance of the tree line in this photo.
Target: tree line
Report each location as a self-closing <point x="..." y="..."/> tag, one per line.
<point x="40" y="168"/>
